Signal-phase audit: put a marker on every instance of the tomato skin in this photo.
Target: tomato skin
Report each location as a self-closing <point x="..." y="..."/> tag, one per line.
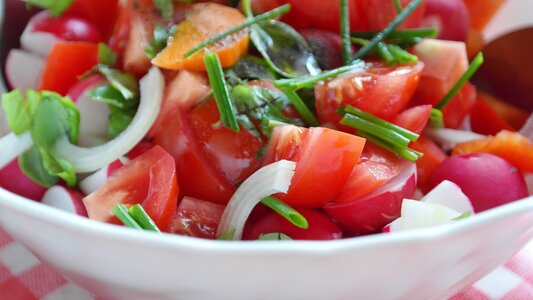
<point x="320" y="227"/>
<point x="101" y="13"/>
<point x="67" y="27"/>
<point x="149" y="180"/>
<point x="485" y="120"/>
<point x="196" y="176"/>
<point x="376" y="167"/>
<point x="429" y="162"/>
<point x="380" y="90"/>
<point x="65" y="63"/>
<point x="323" y="155"/>
<point x="414" y="119"/>
<point x="233" y="154"/>
<point x="197" y="218"/>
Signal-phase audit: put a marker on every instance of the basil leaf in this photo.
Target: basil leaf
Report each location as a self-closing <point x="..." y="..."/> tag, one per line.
<point x="119" y="120"/>
<point x="31" y="164"/>
<point x="56" y="7"/>
<point x="165" y="7"/>
<point x="160" y="40"/>
<point x="71" y="117"/>
<point x="59" y="167"/>
<point x="250" y="68"/>
<point x="278" y="236"/>
<point x="17" y="114"/>
<point x="125" y="83"/>
<point x="108" y="94"/>
<point x="106" y="56"/>
<point x="284" y="49"/>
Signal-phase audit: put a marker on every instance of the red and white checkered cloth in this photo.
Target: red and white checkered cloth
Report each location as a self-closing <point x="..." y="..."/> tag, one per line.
<point x="24" y="277"/>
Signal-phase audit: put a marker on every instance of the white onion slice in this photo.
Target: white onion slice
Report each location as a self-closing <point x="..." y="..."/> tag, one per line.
<point x="527" y="129"/>
<point x="271" y="179"/>
<point x="450" y="195"/>
<point x="448" y="138"/>
<point x="12" y="146"/>
<point x="65" y="199"/>
<point x="92" y="159"/>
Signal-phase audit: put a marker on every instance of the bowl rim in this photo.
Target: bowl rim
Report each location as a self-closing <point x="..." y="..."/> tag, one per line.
<point x="85" y="226"/>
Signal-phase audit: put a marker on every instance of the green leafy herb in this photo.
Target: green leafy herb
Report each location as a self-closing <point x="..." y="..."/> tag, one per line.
<point x="56" y="7"/>
<point x="249" y="68"/>
<point x="397" y="6"/>
<point x="301" y="108"/>
<point x="106" y="56"/>
<point x="345" y="32"/>
<point x="220" y="91"/>
<point x="278" y="236"/>
<point x="436" y="118"/>
<point x="464" y="215"/>
<point x="119" y="120"/>
<point x="227" y="236"/>
<point x="251" y="21"/>
<point x="409" y="154"/>
<point x="159" y="40"/>
<point x="140" y="216"/>
<point x="165" y="7"/>
<point x="406" y="12"/>
<point x="374" y="129"/>
<point x="472" y="69"/>
<point x="122" y="213"/>
<point x="287" y="212"/>
<point x="17" y="114"/>
<point x="31" y="164"/>
<point x="125" y="83"/>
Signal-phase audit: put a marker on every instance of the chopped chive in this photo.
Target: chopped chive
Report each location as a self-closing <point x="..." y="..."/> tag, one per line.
<point x="273" y="123"/>
<point x="374" y="129"/>
<point x="286" y="212"/>
<point x="399" y="34"/>
<point x="247" y="8"/>
<point x="142" y="218"/>
<point x="227" y="236"/>
<point x="345" y="32"/>
<point x="257" y="19"/>
<point x="401" y="56"/>
<point x="300" y="107"/>
<point x="121" y="211"/>
<point x="302" y="82"/>
<point x="464" y="215"/>
<point x="436" y="118"/>
<point x="385" y="54"/>
<point x="359" y="41"/>
<point x="362" y="114"/>
<point x="409" y="154"/>
<point x="220" y="91"/>
<point x="472" y="69"/>
<point x="406" y="12"/>
<point x="274" y="236"/>
<point x="397" y="6"/>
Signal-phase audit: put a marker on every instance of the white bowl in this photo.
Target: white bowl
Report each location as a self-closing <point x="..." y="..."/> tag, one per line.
<point x="118" y="263"/>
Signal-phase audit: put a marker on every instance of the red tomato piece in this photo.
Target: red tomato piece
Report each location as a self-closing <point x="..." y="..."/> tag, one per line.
<point x="142" y="147"/>
<point x="485" y="120"/>
<point x="429" y="162"/>
<point x="196" y="176"/>
<point x="482" y="11"/>
<point x="376" y="167"/>
<point x="450" y="17"/>
<point x="101" y="13"/>
<point x="325" y="159"/>
<point x="149" y="180"/>
<point x="66" y="62"/>
<point x="67" y="27"/>
<point x="320" y="227"/>
<point x="233" y="154"/>
<point x="197" y="218"/>
<point x="380" y="90"/>
<point x="414" y="119"/>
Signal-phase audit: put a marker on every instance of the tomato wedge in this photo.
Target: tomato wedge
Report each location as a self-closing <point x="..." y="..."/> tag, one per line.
<point x="149" y="180"/>
<point x="380" y="90"/>
<point x="414" y="119"/>
<point x="101" y="13"/>
<point x="485" y="120"/>
<point x="197" y="218"/>
<point x="66" y="62"/>
<point x="429" y="162"/>
<point x="325" y="159"/>
<point x="203" y="21"/>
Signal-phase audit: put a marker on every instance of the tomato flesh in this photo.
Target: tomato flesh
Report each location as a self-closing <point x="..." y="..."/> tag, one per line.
<point x="197" y="218"/>
<point x="67" y="27"/>
<point x="414" y="119"/>
<point x="101" y="13"/>
<point x="149" y="180"/>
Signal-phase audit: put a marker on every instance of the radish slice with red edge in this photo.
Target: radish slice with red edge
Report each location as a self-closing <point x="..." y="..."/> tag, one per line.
<point x="448" y="138"/>
<point x="94" y="181"/>
<point x="271" y="179"/>
<point x="37" y="42"/>
<point x="23" y="69"/>
<point x="65" y="199"/>
<point x="12" y="146"/>
<point x="91" y="159"/>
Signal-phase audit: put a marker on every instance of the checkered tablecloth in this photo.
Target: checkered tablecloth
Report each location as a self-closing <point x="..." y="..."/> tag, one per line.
<point x="24" y="277"/>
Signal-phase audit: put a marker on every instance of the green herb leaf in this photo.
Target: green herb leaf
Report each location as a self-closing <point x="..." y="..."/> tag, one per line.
<point x="249" y="68"/>
<point x="110" y="95"/>
<point x="17" y="114"/>
<point x="159" y="40"/>
<point x="227" y="236"/>
<point x="278" y="236"/>
<point x="404" y="34"/>
<point x="165" y="7"/>
<point x="56" y="7"/>
<point x="140" y="216"/>
<point x="119" y="120"/>
<point x="121" y="212"/>
<point x="59" y="167"/>
<point x="125" y="83"/>
<point x="472" y="69"/>
<point x="287" y="212"/>
<point x="397" y="6"/>
<point x="31" y="164"/>
<point x="106" y="56"/>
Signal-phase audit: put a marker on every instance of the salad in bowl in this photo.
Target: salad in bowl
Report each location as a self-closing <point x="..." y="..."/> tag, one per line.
<point x="189" y="121"/>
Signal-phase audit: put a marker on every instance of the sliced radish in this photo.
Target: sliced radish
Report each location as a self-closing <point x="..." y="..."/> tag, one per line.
<point x="450" y="195"/>
<point x="94" y="181"/>
<point x="375" y="210"/>
<point x="529" y="182"/>
<point x="271" y="179"/>
<point x="94" y="115"/>
<point x="65" y="199"/>
<point x="91" y="159"/>
<point x="448" y="138"/>
<point x="13" y="180"/>
<point x="37" y="42"/>
<point x="23" y="69"/>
